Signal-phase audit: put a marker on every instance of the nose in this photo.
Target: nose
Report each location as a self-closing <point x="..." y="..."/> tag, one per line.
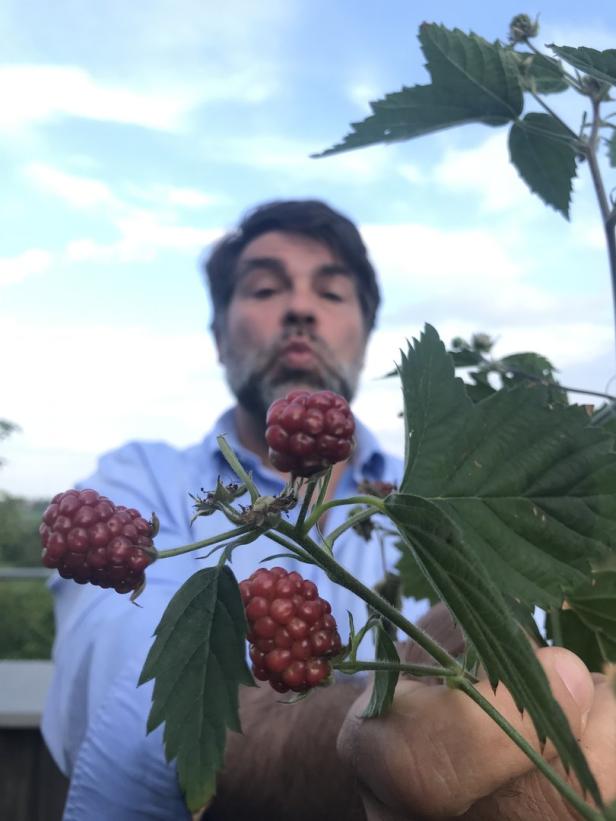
<point x="300" y="311"/>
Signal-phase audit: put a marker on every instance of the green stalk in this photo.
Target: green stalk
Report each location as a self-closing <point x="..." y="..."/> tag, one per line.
<point x="412" y="669"/>
<point x="312" y="483"/>
<point x="350" y="522"/>
<point x="222" y="537"/>
<point x="584" y="809"/>
<point x="341" y="576"/>
<point x="319" y="510"/>
<point x="235" y="464"/>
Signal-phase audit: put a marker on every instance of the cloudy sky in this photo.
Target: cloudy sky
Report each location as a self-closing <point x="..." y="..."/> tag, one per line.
<point x="133" y="134"/>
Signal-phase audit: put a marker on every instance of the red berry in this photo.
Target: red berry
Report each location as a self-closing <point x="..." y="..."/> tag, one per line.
<point x="291" y="631"/>
<point x="89" y="539"/>
<point x="308" y="432"/>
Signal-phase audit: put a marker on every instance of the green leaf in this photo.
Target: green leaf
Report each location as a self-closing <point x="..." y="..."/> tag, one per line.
<point x="611" y="149"/>
<point x="472" y="81"/>
<point x="483" y="75"/>
<point x="198" y="662"/>
<point x="476" y="603"/>
<point x="541" y="73"/>
<point x="385" y="681"/>
<point x="541" y="150"/>
<point x="598" y="64"/>
<point x="415" y="585"/>
<point x="579" y="638"/>
<point x="595" y="603"/>
<point x="532" y="489"/>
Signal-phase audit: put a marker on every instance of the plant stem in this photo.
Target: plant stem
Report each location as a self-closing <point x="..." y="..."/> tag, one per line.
<point x="552" y="113"/>
<point x="221" y="537"/>
<point x="576" y="800"/>
<point x="607" y="214"/>
<point x="319" y="510"/>
<point x="341" y="576"/>
<point x="306" y="503"/>
<point x="235" y="464"/>
<point x="350" y="522"/>
<point x="412" y="669"/>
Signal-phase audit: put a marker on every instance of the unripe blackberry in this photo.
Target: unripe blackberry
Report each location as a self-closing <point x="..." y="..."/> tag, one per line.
<point x="88" y="538"/>
<point x="291" y="631"/>
<point x="307" y="432"/>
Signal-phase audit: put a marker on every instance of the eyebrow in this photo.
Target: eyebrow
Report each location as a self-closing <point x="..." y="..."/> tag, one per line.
<point x="275" y="266"/>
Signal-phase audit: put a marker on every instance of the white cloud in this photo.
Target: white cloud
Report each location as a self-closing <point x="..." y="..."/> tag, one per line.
<point x="484" y="171"/>
<point x="81" y="192"/>
<point x="18" y="268"/>
<point x="143" y="235"/>
<point x="412" y="173"/>
<point x="292" y="157"/>
<point x="32" y="94"/>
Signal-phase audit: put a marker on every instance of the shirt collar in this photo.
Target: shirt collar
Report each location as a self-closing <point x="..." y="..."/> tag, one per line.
<point x="368" y="461"/>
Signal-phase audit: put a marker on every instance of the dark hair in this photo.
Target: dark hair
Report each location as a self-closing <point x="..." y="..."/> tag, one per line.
<point x="312" y="218"/>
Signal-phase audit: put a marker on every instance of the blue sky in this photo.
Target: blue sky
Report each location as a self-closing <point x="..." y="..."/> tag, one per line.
<point x="132" y="135"/>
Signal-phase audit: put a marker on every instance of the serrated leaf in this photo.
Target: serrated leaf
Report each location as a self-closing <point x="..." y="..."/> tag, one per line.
<point x="198" y="662"/>
<point x="598" y="64"/>
<point x="611" y="149"/>
<point x="541" y="73"/>
<point x="415" y="585"/>
<point x="579" y="638"/>
<point x="384" y="684"/>
<point x="472" y="81"/>
<point x="540" y="149"/>
<point x="478" y="606"/>
<point x="532" y="489"/>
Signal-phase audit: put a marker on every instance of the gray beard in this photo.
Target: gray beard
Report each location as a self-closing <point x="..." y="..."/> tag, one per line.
<point x="255" y="388"/>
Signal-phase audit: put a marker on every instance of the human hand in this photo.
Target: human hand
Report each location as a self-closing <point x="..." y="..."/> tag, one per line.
<point x="437" y="755"/>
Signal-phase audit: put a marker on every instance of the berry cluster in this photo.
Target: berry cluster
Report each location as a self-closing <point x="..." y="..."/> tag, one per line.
<point x="89" y="539"/>
<point x="292" y="633"/>
<point x="307" y="432"/>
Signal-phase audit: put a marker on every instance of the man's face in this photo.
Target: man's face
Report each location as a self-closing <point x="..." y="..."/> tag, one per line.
<point x="294" y="321"/>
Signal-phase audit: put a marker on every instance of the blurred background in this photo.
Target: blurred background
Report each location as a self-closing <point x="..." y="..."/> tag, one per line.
<point x="133" y="135"/>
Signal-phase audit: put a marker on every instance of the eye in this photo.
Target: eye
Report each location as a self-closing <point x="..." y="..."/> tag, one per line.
<point x="332" y="296"/>
<point x="263" y="293"/>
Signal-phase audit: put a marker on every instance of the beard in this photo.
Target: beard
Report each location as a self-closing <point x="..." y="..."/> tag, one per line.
<point x="258" y="378"/>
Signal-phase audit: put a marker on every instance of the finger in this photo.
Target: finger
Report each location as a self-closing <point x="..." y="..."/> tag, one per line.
<point x="436" y="752"/>
<point x="532" y="795"/>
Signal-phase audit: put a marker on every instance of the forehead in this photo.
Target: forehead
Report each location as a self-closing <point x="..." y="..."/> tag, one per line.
<point x="294" y="251"/>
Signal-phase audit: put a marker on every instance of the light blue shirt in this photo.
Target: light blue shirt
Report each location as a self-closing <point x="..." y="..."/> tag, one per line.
<point x="95" y="717"/>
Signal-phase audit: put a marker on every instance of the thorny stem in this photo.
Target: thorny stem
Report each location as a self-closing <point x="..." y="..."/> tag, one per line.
<point x="341" y="576"/>
<point x="568" y="77"/>
<point x="553" y="114"/>
<point x="402" y="667"/>
<point x="350" y="522"/>
<point x="565" y="789"/>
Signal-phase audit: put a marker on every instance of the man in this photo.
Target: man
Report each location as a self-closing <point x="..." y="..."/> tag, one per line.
<point x="294" y="298"/>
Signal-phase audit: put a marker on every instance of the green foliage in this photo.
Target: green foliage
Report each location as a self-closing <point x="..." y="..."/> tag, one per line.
<point x="576" y="636"/>
<point x="611" y="149"/>
<point x="502" y="499"/>
<point x="540" y="74"/>
<point x="531" y="487"/>
<point x="198" y="663"/>
<point x="477" y="605"/>
<point x="384" y="684"/>
<point x="26" y="615"/>
<point x="6" y="429"/>
<point x="598" y="64"/>
<point x="541" y="150"/>
<point x="415" y="585"/>
<point x="473" y="81"/>
<point x="20" y="544"/>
